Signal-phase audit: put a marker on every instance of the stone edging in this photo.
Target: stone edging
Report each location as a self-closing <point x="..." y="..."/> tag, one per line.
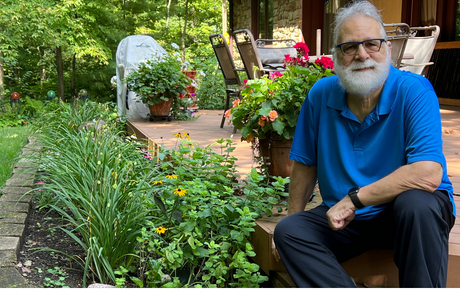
<point x="14" y="210"/>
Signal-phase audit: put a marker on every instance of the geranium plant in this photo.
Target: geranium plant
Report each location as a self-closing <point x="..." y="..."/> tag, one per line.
<point x="271" y="105"/>
<point x="158" y="79"/>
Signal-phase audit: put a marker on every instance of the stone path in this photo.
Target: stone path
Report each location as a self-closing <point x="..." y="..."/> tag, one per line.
<point x="14" y="208"/>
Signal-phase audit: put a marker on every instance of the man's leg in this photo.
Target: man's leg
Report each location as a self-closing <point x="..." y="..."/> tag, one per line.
<point x="312" y="252"/>
<point x="422" y="223"/>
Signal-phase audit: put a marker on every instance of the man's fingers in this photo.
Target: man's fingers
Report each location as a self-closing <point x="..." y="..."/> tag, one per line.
<point x="275" y="251"/>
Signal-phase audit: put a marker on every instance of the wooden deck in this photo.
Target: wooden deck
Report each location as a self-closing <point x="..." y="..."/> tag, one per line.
<point x="374" y="268"/>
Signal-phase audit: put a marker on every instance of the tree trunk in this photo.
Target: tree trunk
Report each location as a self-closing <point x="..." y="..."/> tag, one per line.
<point x="167" y="16"/>
<point x="60" y="73"/>
<point x="224" y="16"/>
<point x="2" y="77"/>
<point x="42" y="69"/>
<point x="72" y="84"/>
<point x="185" y="31"/>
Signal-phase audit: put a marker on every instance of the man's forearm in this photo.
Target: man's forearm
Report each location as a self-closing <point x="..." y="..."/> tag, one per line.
<point x="424" y="175"/>
<point x="303" y="180"/>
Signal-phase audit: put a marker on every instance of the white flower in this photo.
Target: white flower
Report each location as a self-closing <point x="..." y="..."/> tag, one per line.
<point x="202" y="73"/>
<point x="175" y="46"/>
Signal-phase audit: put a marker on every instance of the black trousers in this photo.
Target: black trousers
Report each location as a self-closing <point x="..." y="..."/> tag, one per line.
<point x="416" y="226"/>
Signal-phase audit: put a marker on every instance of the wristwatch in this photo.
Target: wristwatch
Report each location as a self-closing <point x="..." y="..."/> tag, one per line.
<point x="353" y="194"/>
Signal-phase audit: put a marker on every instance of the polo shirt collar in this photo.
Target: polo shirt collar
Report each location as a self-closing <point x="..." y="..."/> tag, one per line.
<point x="337" y="96"/>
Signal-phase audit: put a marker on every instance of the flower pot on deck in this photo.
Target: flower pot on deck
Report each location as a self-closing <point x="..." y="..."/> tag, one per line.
<point x="161" y="109"/>
<point x="277" y="152"/>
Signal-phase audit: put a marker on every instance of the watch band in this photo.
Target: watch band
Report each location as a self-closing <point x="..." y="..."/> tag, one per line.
<point x="353" y="194"/>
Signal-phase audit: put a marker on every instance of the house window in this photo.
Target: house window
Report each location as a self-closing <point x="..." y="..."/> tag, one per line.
<point x="266" y="19"/>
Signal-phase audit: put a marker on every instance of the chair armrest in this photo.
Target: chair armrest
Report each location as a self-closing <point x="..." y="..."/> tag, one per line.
<point x="416" y="64"/>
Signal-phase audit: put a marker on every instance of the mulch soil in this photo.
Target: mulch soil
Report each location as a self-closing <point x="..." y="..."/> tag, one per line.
<point x="34" y="262"/>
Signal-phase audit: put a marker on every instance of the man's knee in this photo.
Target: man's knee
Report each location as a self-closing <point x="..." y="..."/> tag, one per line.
<point x="415" y="203"/>
<point x="284" y="228"/>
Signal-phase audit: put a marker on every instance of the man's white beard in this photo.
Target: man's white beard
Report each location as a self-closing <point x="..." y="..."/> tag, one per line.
<point x="362" y="84"/>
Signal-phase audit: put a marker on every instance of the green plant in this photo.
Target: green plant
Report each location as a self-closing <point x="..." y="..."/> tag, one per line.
<point x="179" y="222"/>
<point x="158" y="79"/>
<point x="271" y="105"/>
<point x="211" y="86"/>
<point x="201" y="237"/>
<point x="57" y="279"/>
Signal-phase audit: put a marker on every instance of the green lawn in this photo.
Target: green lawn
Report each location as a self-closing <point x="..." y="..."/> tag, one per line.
<point x="11" y="142"/>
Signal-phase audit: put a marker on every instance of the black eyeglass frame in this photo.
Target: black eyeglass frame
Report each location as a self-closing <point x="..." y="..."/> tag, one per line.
<point x="361" y="43"/>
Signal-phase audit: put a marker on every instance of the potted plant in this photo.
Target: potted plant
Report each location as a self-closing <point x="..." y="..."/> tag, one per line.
<point x="158" y="83"/>
<point x="270" y="106"/>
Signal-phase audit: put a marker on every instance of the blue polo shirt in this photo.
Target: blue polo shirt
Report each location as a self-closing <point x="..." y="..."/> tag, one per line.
<point x="404" y="127"/>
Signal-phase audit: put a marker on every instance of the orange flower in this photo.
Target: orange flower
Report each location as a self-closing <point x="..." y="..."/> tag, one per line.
<point x="261" y="122"/>
<point x="227" y="113"/>
<point x="236" y="103"/>
<point x="265" y="118"/>
<point x="250" y="138"/>
<point x="273" y="115"/>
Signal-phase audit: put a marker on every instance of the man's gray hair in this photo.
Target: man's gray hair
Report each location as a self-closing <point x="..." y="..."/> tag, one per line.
<point x="357" y="8"/>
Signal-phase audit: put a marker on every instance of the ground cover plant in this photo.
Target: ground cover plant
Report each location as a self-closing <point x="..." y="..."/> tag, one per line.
<point x="179" y="219"/>
<point x="12" y="140"/>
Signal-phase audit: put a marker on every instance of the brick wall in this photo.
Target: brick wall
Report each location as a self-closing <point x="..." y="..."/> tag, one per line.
<point x="286" y="17"/>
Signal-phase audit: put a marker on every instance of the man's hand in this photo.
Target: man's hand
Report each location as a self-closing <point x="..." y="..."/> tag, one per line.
<point x="275" y="251"/>
<point x="341" y="214"/>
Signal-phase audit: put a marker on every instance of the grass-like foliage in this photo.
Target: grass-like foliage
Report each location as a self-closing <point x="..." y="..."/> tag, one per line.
<point x="12" y="140"/>
<point x="174" y="220"/>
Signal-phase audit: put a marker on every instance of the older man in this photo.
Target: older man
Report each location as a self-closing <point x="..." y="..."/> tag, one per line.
<point x="371" y="136"/>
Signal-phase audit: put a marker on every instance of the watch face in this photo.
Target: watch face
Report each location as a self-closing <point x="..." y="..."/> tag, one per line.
<point x="353" y="190"/>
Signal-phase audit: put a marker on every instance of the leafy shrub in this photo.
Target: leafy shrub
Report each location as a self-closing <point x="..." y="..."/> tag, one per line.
<point x="175" y="220"/>
<point x="211" y="87"/>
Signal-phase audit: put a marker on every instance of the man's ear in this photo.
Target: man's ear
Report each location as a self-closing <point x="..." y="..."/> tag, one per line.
<point x="389" y="46"/>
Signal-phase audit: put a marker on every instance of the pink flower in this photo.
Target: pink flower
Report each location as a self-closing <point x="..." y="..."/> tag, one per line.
<point x="276" y="74"/>
<point x="227" y="113"/>
<point x="325" y="62"/>
<point x="265" y="118"/>
<point x="246" y="83"/>
<point x="273" y="115"/>
<point x="236" y="103"/>
<point x="302" y="49"/>
<point x="287" y="57"/>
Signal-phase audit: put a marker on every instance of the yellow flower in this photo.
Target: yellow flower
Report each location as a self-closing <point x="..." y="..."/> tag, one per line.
<point x="178" y="135"/>
<point x="180" y="191"/>
<point x="184" y="135"/>
<point x="157" y="182"/>
<point x="171" y="176"/>
<point x="160" y="230"/>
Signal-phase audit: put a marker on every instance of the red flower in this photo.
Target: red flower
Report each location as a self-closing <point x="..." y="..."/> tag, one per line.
<point x="325" y="62"/>
<point x="246" y="83"/>
<point x="302" y="49"/>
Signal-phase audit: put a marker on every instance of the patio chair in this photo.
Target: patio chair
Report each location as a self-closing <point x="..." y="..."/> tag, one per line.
<point x="272" y="51"/>
<point x="421" y="47"/>
<point x="398" y="34"/>
<point x="232" y="80"/>
<point x="250" y="55"/>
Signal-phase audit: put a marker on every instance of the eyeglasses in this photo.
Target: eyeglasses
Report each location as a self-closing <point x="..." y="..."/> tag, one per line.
<point x="351" y="48"/>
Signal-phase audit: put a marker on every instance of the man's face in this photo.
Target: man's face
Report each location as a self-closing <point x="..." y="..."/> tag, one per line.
<point x="360" y="28"/>
<point x="363" y="73"/>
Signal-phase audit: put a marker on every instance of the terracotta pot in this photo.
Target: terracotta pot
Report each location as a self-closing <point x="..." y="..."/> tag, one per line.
<point x="161" y="109"/>
<point x="277" y="152"/>
<point x="190" y="73"/>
